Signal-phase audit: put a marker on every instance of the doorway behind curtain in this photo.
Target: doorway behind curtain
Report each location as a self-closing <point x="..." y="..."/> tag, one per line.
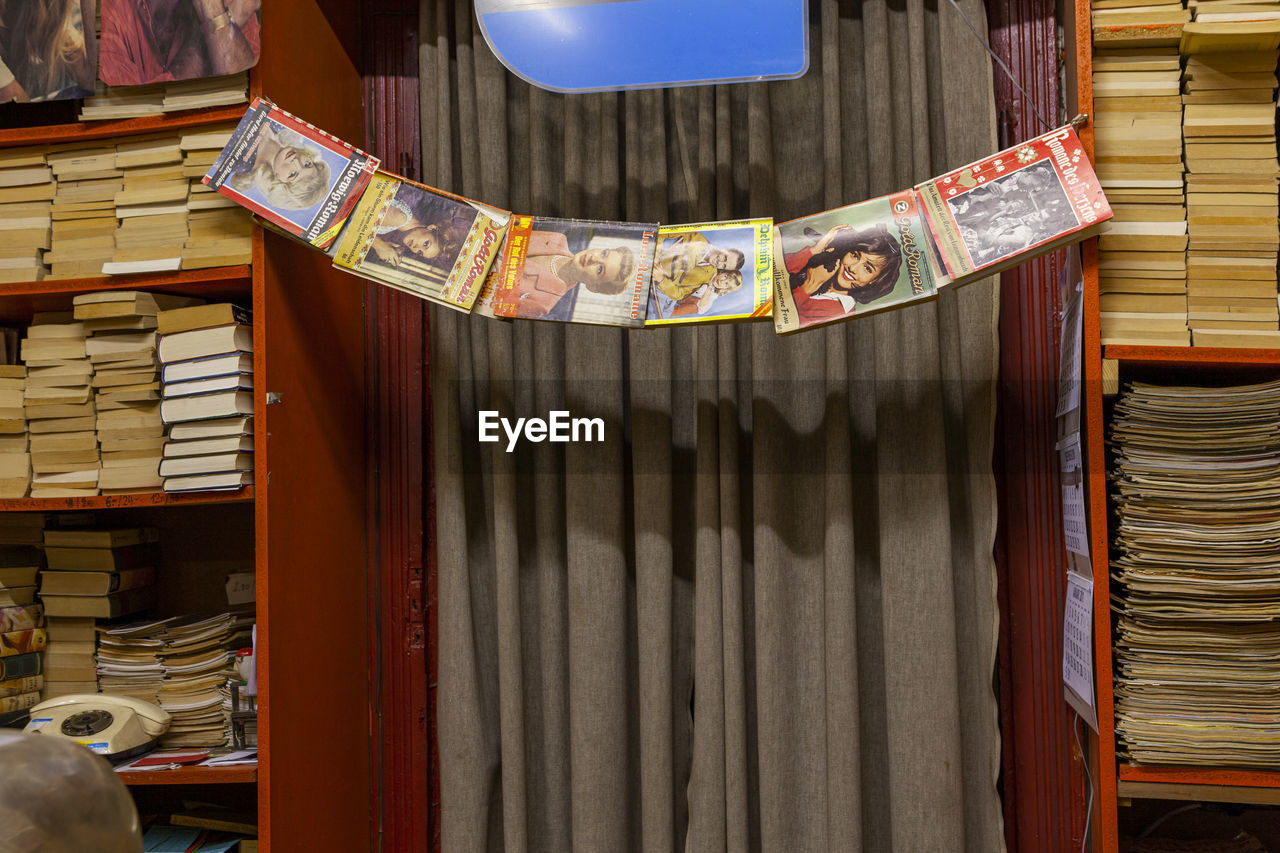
<point x="761" y="615"/>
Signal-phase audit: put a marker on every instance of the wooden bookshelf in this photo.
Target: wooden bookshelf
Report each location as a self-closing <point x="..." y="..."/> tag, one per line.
<point x="1113" y="780"/>
<point x="302" y="525"/>
<point x="243" y="774"/>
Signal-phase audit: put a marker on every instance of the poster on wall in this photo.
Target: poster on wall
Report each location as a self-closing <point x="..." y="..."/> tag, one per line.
<point x="48" y="50"/>
<point x="176" y="40"/>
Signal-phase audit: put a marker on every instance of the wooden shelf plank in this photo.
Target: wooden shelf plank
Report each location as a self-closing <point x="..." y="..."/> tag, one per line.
<point x="89" y="130"/>
<point x="1197" y="793"/>
<point x="144" y="281"/>
<point x="125" y="501"/>
<point x="1183" y="356"/>
<point x="1229" y="776"/>
<point x="243" y="774"/>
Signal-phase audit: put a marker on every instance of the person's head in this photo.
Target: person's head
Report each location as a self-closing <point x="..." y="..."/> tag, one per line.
<point x="293" y="177"/>
<point x="725" y="259"/>
<point x="726" y="281"/>
<point x="865" y="264"/>
<point x="45" y="45"/>
<point x="603" y="271"/>
<point x="58" y="797"/>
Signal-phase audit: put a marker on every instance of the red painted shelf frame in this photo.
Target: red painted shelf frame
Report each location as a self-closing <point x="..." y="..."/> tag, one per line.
<point x="242" y="774"/>
<point x="56" y="134"/>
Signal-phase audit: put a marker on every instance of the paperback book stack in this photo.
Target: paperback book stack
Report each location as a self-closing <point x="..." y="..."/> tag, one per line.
<point x="70" y="653"/>
<point x="22" y="633"/>
<point x="26" y="188"/>
<point x="151" y="206"/>
<point x="126" y="382"/>
<point x="117" y="102"/>
<point x="58" y="403"/>
<point x="128" y="659"/>
<point x="220" y="231"/>
<point x="83" y="212"/>
<point x="1197" y="571"/>
<point x="15" y="449"/>
<point x="101" y="574"/>
<point x="199" y="657"/>
<point x="1138" y="139"/>
<point x="207" y="357"/>
<point x="22" y="640"/>
<point x="1232" y="173"/>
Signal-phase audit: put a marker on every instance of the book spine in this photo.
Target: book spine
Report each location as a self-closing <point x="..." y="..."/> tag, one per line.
<point x="17" y="686"/>
<point x="22" y="642"/>
<point x="20" y="702"/>
<point x="785" y="318"/>
<point x="506" y="299"/>
<point x="20" y="666"/>
<point x="21" y="618"/>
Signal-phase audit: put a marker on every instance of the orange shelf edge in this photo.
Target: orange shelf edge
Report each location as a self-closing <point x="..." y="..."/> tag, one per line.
<point x="125" y="501"/>
<point x="1193" y="355"/>
<point x="241" y="273"/>
<point x="1233" y="777"/>
<point x="243" y="774"/>
<point x="50" y="134"/>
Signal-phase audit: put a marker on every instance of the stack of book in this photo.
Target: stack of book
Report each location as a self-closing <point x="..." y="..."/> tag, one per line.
<point x="84" y="218"/>
<point x="151" y="206"/>
<point x="15" y="449"/>
<point x="22" y="640"/>
<point x="1232" y="177"/>
<point x="26" y="183"/>
<point x="128" y="659"/>
<point x="99" y="573"/>
<point x="126" y="381"/>
<point x="117" y="102"/>
<point x="1138" y="139"/>
<point x="59" y="408"/>
<point x="70" y="653"/>
<point x="199" y="657"/>
<point x="207" y="385"/>
<point x="1197" y="572"/>
<point x="220" y="230"/>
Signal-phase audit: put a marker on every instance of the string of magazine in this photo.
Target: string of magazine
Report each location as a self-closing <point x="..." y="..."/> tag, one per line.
<point x="878" y="254"/>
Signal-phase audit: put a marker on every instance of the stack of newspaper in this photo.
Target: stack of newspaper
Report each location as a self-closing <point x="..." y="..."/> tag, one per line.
<point x="1197" y="494"/>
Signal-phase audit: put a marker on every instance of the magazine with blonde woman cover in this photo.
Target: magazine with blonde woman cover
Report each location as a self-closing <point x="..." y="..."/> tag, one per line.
<point x="1013" y="206"/>
<point x="424" y="241"/>
<point x="712" y="272"/>
<point x="291" y="173"/>
<point x="851" y="261"/>
<point x="576" y="270"/>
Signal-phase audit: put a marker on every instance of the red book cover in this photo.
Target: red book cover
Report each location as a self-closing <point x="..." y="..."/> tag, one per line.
<point x="1013" y="206"/>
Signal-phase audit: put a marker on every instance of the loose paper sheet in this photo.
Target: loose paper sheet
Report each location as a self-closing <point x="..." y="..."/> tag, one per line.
<point x="1075" y="530"/>
<point x="1077" y="647"/>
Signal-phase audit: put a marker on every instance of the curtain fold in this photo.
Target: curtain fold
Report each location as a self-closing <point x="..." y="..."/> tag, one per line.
<point x="761" y="615"/>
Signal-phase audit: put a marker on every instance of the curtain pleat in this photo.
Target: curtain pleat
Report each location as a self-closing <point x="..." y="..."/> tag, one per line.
<point x="761" y="615"/>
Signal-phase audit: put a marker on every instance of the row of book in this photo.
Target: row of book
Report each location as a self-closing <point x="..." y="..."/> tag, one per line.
<point x="878" y="254"/>
<point x="1186" y="150"/>
<point x="117" y="102"/>
<point x="114" y="207"/>
<point x="129" y="392"/>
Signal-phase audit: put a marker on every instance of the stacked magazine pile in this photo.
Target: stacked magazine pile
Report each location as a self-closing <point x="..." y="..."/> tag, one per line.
<point x="199" y="657"/>
<point x="1197" y="571"/>
<point x="129" y="659"/>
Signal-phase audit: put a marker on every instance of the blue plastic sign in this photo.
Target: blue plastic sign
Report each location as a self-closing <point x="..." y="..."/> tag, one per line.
<point x="604" y="45"/>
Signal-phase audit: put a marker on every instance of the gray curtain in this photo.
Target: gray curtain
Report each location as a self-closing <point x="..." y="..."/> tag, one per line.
<point x="761" y="615"/>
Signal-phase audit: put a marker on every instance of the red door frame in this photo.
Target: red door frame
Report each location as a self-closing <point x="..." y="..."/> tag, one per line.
<point x="1043" y="784"/>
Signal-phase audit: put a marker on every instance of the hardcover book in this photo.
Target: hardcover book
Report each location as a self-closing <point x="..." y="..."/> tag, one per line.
<point x="21" y="666"/>
<point x="21" y="618"/>
<point x="851" y="261"/>
<point x="18" y="686"/>
<point x="1014" y="206"/>
<point x="712" y="272"/>
<point x="574" y="270"/>
<point x="291" y="173"/>
<point x="421" y="240"/>
<point x="19" y="701"/>
<point x="22" y="642"/>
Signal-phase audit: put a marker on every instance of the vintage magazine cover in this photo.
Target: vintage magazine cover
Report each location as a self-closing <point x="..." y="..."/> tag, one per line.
<point x="291" y="173"/>
<point x="484" y="302"/>
<point x="421" y="240"/>
<point x="712" y="272"/>
<point x="21" y="642"/>
<point x="21" y="618"/>
<point x="575" y="270"/>
<point x="850" y="261"/>
<point x="1013" y="206"/>
<point x="18" y="686"/>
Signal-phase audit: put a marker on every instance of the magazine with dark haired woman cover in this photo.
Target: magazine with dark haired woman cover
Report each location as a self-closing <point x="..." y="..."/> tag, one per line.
<point x="1013" y="206"/>
<point x="851" y="261"/>
<point x="291" y="173"/>
<point x="576" y="270"/>
<point x="422" y="240"/>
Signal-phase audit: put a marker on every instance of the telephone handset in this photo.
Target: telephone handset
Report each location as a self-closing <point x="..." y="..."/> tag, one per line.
<point x="115" y="727"/>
